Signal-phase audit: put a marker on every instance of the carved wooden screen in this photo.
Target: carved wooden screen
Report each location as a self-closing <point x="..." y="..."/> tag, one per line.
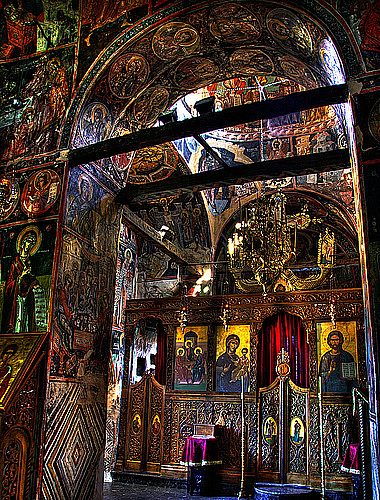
<point x="145" y="425"/>
<point x="283" y="432"/>
<point x="155" y="427"/>
<point x="298" y="435"/>
<point x="13" y="464"/>
<point x="269" y="428"/>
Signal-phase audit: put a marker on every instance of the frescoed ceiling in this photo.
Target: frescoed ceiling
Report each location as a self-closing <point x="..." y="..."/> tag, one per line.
<point x="237" y="54"/>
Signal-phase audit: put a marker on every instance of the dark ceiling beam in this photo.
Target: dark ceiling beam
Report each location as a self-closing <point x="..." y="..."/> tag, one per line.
<point x="211" y="151"/>
<point x="270" y="169"/>
<point x="184" y="256"/>
<point x="229" y="117"/>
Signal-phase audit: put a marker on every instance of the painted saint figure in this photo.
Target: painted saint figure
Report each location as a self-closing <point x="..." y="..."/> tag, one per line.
<point x="19" y="311"/>
<point x="198" y="369"/>
<point x="241" y="369"/>
<point x="226" y="364"/>
<point x="337" y="368"/>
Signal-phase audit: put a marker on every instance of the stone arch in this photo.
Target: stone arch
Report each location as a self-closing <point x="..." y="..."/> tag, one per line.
<point x="127" y="44"/>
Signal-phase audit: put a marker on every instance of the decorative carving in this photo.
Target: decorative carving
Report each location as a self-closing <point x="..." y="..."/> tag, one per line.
<point x="229" y="415"/>
<point x="170" y="332"/>
<point x="167" y="430"/>
<point x="182" y="411"/>
<point x="155" y="423"/>
<point x="313" y="365"/>
<point x="314" y="441"/>
<point x="210" y="358"/>
<point x="254" y="343"/>
<point x="13" y="464"/>
<point x="268" y="431"/>
<point x="12" y="457"/>
<point x="349" y="303"/>
<point x="135" y="425"/>
<point x="298" y="417"/>
<point x="336" y="435"/>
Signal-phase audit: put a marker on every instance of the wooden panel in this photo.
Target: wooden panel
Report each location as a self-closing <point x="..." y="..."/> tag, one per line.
<point x="155" y="425"/>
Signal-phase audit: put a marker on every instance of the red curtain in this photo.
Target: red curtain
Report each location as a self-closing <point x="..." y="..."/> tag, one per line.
<point x="160" y="371"/>
<point x="287" y="331"/>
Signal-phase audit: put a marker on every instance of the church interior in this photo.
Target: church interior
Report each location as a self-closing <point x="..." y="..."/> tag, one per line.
<point x="189" y="247"/>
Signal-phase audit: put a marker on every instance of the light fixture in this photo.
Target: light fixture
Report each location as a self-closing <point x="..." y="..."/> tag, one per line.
<point x="169" y="116"/>
<point x="226" y="313"/>
<point x="263" y="247"/>
<point x="333" y="301"/>
<point x="163" y="231"/>
<point x="204" y="106"/>
<point x="183" y="313"/>
<point x="225" y="316"/>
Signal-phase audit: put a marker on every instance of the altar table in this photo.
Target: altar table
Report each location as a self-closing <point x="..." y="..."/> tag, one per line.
<point x="201" y="455"/>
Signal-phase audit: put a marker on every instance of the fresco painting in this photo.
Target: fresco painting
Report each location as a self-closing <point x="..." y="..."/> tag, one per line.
<point x="26" y="269"/>
<point x="191" y="359"/>
<point x="124" y="290"/>
<point x="33" y="103"/>
<point x="34" y="26"/>
<point x="59" y="91"/>
<point x="35" y="194"/>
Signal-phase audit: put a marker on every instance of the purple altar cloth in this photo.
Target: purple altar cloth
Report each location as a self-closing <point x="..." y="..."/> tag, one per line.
<point x="200" y="451"/>
<point x="351" y="461"/>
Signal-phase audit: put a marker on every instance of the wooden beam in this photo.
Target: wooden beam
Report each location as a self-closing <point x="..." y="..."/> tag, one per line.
<point x="180" y="255"/>
<point x="263" y="170"/>
<point x="229" y="117"/>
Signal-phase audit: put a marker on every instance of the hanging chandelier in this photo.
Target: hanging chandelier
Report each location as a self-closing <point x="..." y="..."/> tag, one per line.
<point x="264" y="246"/>
<point x="183" y="313"/>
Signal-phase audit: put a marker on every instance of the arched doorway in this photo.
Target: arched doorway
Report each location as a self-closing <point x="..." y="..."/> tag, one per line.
<point x="283" y="331"/>
<point x="284" y="400"/>
<point x="146" y="397"/>
<point x="131" y="107"/>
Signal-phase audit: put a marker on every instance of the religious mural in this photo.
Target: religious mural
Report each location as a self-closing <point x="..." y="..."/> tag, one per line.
<point x="191" y="359"/>
<point x="85" y="285"/>
<point x="147" y="61"/>
<point x="26" y="269"/>
<point x="30" y="194"/>
<point x="232" y="358"/>
<point x="125" y="285"/>
<point x="363" y="18"/>
<point x="337" y="356"/>
<point x="16" y="357"/>
<point x="33" y="102"/>
<point x="34" y="26"/>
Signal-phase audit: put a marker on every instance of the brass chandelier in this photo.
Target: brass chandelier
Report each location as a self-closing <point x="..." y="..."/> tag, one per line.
<point x="264" y="244"/>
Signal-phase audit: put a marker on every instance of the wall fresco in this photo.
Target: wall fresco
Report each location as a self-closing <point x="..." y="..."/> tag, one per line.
<point x="33" y="102"/>
<point x="26" y="276"/>
<point x="124" y="289"/>
<point x="34" y="26"/>
<point x="32" y="193"/>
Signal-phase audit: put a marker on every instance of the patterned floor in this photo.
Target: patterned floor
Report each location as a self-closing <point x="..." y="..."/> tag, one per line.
<point x="122" y="491"/>
<point x="130" y="491"/>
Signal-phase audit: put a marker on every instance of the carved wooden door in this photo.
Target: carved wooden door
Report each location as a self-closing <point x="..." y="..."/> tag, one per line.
<point x="283" y="432"/>
<point x="145" y="425"/>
